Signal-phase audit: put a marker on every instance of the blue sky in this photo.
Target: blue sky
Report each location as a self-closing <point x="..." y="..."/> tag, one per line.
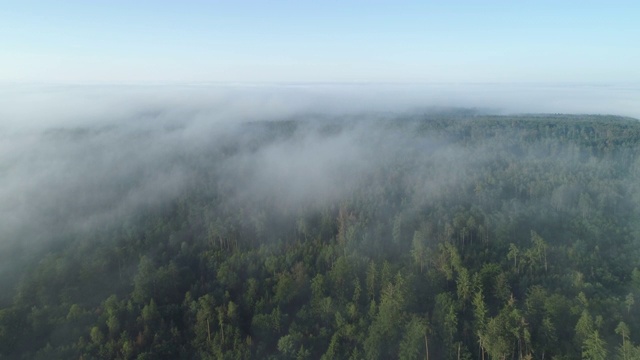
<point x="319" y="41"/>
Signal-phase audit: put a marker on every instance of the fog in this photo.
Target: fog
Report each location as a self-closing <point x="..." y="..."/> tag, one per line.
<point x="269" y="164"/>
<point x="40" y="106"/>
<point x="75" y="157"/>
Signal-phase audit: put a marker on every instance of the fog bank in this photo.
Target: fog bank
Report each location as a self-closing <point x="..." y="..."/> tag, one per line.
<point x="74" y="157"/>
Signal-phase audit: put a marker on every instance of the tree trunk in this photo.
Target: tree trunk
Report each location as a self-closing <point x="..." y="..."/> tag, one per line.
<point x="222" y="332"/>
<point x="426" y="346"/>
<point x="208" y="332"/>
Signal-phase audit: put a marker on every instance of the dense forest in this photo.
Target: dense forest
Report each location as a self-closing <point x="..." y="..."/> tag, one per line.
<point x="439" y="235"/>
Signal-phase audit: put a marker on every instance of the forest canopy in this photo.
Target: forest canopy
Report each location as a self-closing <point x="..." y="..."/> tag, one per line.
<point x="444" y="234"/>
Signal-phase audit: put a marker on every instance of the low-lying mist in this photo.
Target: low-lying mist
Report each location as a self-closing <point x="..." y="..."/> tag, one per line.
<point x="75" y="157"/>
<point x="255" y="221"/>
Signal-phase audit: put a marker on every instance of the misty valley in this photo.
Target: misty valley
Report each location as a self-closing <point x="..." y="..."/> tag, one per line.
<point x="439" y="234"/>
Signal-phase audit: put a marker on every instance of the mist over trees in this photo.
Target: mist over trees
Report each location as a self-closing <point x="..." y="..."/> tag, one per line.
<point x="440" y="234"/>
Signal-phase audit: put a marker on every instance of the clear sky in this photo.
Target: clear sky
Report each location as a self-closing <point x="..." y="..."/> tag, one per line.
<point x="328" y="41"/>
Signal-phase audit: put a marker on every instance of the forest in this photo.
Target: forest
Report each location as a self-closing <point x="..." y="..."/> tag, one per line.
<point x="448" y="234"/>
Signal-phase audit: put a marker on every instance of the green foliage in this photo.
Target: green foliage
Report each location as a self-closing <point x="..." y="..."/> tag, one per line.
<point x="594" y="347"/>
<point x="483" y="237"/>
<point x="414" y="343"/>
